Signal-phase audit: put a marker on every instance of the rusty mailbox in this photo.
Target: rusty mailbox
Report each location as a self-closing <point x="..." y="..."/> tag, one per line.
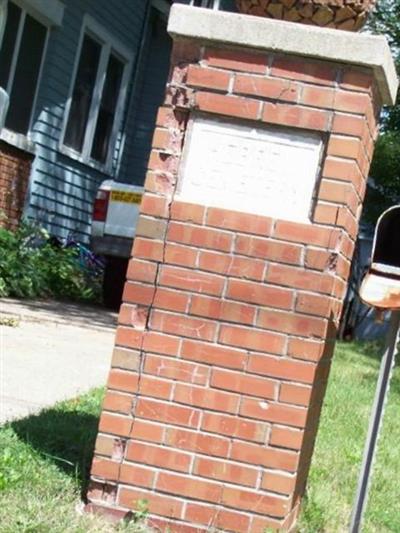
<point x="380" y="289"/>
<point x="381" y="285"/>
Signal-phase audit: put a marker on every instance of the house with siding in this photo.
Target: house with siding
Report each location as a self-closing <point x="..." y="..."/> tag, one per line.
<point x="85" y="78"/>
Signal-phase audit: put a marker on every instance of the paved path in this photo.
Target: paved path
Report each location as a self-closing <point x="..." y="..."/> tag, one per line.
<point x="56" y="351"/>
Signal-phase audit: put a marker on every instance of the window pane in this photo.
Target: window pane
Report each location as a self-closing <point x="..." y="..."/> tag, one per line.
<point x="82" y="94"/>
<point x="8" y="45"/>
<point x="26" y="75"/>
<point x="108" y="105"/>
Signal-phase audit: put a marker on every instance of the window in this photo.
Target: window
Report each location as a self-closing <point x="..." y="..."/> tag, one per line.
<point x="97" y="97"/>
<point x="21" y="58"/>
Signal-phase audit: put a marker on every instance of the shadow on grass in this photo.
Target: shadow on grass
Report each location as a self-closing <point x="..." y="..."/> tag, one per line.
<point x="66" y="437"/>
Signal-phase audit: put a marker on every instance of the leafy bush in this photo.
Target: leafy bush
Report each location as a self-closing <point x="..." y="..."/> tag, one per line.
<point x="32" y="266"/>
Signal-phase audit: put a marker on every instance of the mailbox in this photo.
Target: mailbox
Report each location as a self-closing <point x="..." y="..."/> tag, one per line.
<point x="381" y="285"/>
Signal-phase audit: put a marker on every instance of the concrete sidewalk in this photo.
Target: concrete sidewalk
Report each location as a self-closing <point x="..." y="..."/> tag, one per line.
<point x="55" y="352"/>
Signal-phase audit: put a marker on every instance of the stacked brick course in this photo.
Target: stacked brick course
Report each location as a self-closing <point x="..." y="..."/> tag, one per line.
<point x="228" y="323"/>
<point x="15" y="167"/>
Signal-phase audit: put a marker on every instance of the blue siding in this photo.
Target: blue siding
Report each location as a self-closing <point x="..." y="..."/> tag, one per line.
<point x="61" y="189"/>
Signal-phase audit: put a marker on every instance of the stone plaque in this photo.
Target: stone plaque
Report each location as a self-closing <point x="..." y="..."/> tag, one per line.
<point x="266" y="171"/>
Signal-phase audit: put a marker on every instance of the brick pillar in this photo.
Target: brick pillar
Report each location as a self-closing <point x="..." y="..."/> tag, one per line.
<point x="15" y="168"/>
<point x="229" y="318"/>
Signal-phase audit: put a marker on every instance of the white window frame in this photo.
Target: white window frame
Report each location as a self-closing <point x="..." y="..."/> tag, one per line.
<point x="21" y="140"/>
<point x="108" y="45"/>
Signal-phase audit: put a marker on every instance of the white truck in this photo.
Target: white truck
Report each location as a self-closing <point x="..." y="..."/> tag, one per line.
<point x="115" y="213"/>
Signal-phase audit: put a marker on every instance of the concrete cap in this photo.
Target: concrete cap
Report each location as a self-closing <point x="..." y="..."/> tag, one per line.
<point x="259" y="33"/>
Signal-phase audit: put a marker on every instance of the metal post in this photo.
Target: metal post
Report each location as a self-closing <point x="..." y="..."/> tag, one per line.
<point x="381" y="393"/>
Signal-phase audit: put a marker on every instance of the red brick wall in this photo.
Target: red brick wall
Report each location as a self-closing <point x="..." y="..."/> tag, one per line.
<point x="15" y="168"/>
<point x="229" y="319"/>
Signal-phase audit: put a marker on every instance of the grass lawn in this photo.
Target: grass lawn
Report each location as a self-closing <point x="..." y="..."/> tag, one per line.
<point x="44" y="459"/>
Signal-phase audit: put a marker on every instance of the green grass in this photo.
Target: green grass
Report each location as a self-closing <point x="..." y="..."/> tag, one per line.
<point x="44" y="465"/>
<point x="339" y="448"/>
<point x="45" y="459"/>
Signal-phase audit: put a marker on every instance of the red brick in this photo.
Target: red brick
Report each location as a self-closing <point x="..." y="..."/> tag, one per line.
<point x="155" y="388"/>
<point x="105" y="468"/>
<point x="183" y="326"/>
<point x="213" y="354"/>
<point x="268" y="249"/>
<point x="348" y="147"/>
<point x="190" y="280"/>
<point x="170" y="300"/>
<point x="278" y="482"/>
<point x="231" y="521"/>
<point x="237" y="221"/>
<point x="129" y="337"/>
<point x="314" y="304"/>
<point x="222" y="310"/>
<point x="260" y="294"/>
<point x="133" y="315"/>
<point x="236" y="60"/>
<point x="233" y="106"/>
<point x="199" y="514"/>
<point x="273" y="88"/>
<point x="296" y="394"/>
<point x="157" y="504"/>
<point x="274" y="412"/>
<point x="326" y="214"/>
<point x="176" y="369"/>
<point x="177" y="254"/>
<point x="285" y="437"/>
<point x="105" y="445"/>
<point x="208" y="78"/>
<point x="206" y="398"/>
<point x="301" y="279"/>
<point x="352" y="102"/>
<point x="276" y="367"/>
<point x="318" y="97"/>
<point x="160" y="343"/>
<point x="122" y="381"/>
<point x="160" y="183"/>
<point x="296" y="116"/>
<point x="305" y="233"/>
<point x="148" y="249"/>
<point x="243" y="383"/>
<point x="138" y="293"/>
<point x="147" y="431"/>
<point x="353" y="80"/>
<point x="161" y="138"/>
<point x="141" y="271"/>
<point x="348" y="124"/>
<point x="233" y="426"/>
<point x="292" y="323"/>
<point x="163" y="162"/>
<point x="225" y="471"/>
<point x="304" y="70"/>
<point x="199" y="236"/>
<point x="167" y="412"/>
<point x="116" y="425"/>
<point x="136" y="475"/>
<point x="162" y="457"/>
<point x="120" y="403"/>
<point x="185" y="212"/>
<point x="198" y="442"/>
<point x="247" y="268"/>
<point x="255" y="502"/>
<point x="252" y="339"/>
<point x="186" y="486"/>
<point x="156" y="206"/>
<point x="322" y="260"/>
<point x="342" y="169"/>
<point x="342" y="193"/>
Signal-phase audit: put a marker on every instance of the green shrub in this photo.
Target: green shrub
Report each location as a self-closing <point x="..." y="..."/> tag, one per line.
<point x="32" y="267"/>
